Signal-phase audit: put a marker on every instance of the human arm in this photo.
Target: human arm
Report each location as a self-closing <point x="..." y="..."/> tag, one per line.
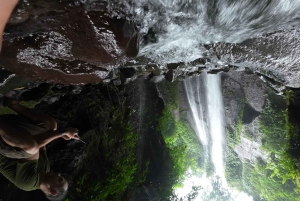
<point x="6" y="8"/>
<point x="45" y="138"/>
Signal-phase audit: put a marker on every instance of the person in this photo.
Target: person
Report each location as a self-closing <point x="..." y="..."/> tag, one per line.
<point x="23" y="140"/>
<point x="6" y="8"/>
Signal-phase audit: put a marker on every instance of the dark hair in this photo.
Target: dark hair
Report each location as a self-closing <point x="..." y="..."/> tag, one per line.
<point x="60" y="194"/>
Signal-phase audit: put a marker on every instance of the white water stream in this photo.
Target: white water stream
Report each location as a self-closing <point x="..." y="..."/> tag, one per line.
<point x="193" y="88"/>
<point x="204" y="97"/>
<point x="216" y="121"/>
<point x="205" y="100"/>
<point x="181" y="27"/>
<point x="226" y="32"/>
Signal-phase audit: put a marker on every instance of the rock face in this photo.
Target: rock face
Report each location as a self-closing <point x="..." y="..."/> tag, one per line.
<point x="242" y="90"/>
<point x="76" y="43"/>
<point x="273" y="55"/>
<point x="244" y="98"/>
<point x="66" y="43"/>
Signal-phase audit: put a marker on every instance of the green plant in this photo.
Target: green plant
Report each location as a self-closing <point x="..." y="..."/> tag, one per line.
<point x="109" y="170"/>
<point x="183" y="149"/>
<point x="233" y="169"/>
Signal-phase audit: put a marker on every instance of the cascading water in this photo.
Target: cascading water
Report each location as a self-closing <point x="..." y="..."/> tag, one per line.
<point x="194" y="88"/>
<point x="182" y="26"/>
<point x="216" y="121"/>
<point x="205" y="100"/>
<point x="226" y="32"/>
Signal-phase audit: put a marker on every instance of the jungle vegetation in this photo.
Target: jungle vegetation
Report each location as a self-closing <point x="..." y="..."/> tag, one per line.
<point x="183" y="147"/>
<point x="277" y="178"/>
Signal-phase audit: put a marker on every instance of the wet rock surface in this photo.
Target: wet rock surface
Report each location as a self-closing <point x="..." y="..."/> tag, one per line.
<point x="253" y="87"/>
<point x="66" y="43"/>
<point x="243" y="93"/>
<point x="75" y="42"/>
<point x="273" y="56"/>
<point x="234" y="98"/>
<point x="244" y="98"/>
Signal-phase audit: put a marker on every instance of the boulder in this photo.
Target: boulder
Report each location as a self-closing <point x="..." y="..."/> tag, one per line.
<point x="67" y="43"/>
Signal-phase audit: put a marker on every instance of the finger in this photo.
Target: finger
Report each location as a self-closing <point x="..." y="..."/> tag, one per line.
<point x="67" y="138"/>
<point x="76" y="137"/>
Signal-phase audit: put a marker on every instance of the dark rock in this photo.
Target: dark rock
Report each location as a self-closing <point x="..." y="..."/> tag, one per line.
<point x="249" y="114"/>
<point x="200" y="61"/>
<point x="144" y="75"/>
<point x="117" y="82"/>
<point x="5" y="75"/>
<point x="76" y="89"/>
<point x="127" y="75"/>
<point x="95" y="5"/>
<point x="50" y="100"/>
<point x="73" y="46"/>
<point x="59" y="86"/>
<point x="234" y="99"/>
<point x="14" y="82"/>
<point x="154" y="69"/>
<point x="150" y="37"/>
<point x="127" y="72"/>
<point x="170" y="76"/>
<point x="157" y="72"/>
<point x="174" y="65"/>
<point x="114" y="74"/>
<point x="254" y="88"/>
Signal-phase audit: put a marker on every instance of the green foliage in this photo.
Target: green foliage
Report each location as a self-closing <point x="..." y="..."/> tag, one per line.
<point x="277" y="179"/>
<point x="280" y="173"/>
<point x="7" y="110"/>
<point x="109" y="170"/>
<point x="271" y="188"/>
<point x="246" y="184"/>
<point x="248" y="134"/>
<point x="233" y="134"/>
<point x="183" y="148"/>
<point x="272" y="126"/>
<point x="277" y="131"/>
<point x="170" y="93"/>
<point x="167" y="126"/>
<point x="233" y="169"/>
<point x="118" y="154"/>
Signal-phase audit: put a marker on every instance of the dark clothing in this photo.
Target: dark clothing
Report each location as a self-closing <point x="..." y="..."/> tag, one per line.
<point x="24" y="174"/>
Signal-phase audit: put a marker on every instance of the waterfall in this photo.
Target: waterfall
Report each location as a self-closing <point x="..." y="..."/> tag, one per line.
<point x="216" y="121"/>
<point x="262" y="35"/>
<point x="193" y="88"/>
<point x="182" y="27"/>
<point x="205" y="100"/>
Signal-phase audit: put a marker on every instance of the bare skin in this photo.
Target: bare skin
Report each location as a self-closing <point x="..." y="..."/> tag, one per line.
<point x="6" y="8"/>
<point x="49" y="181"/>
<point x="32" y="144"/>
<point x="24" y="140"/>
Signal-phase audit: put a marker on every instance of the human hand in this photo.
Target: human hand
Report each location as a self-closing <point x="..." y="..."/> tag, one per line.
<point x="71" y="133"/>
<point x="6" y="8"/>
